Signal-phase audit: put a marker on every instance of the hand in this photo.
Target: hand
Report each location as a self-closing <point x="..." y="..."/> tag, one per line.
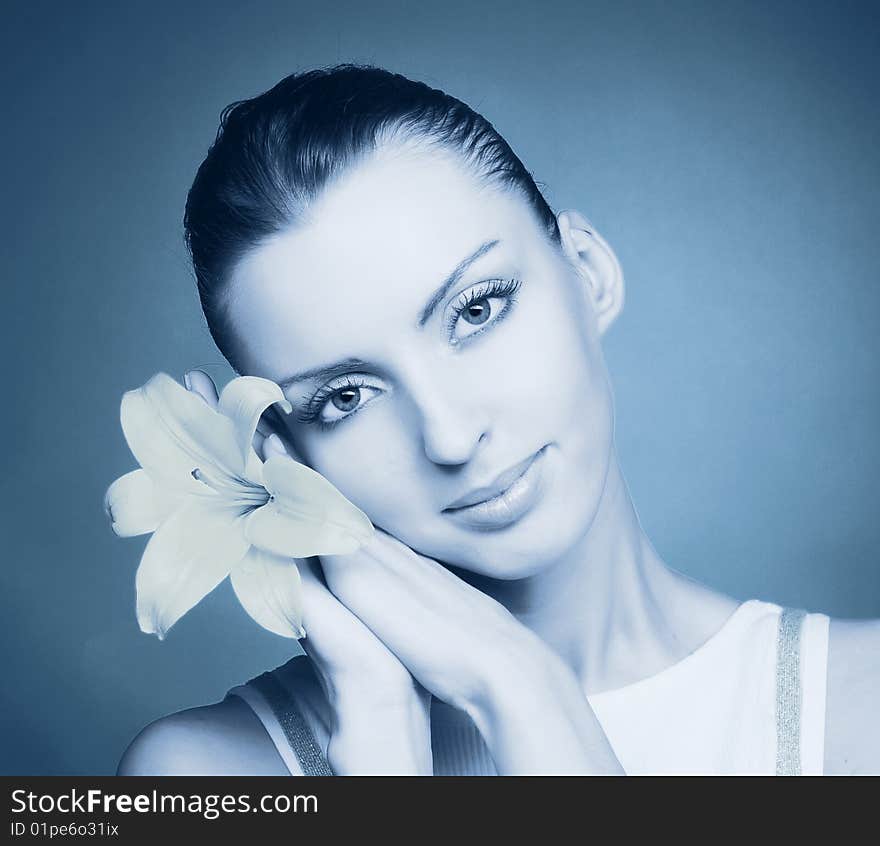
<point x="396" y="626"/>
<point x="380" y="714"/>
<point x="457" y="641"/>
<point x="470" y="651"/>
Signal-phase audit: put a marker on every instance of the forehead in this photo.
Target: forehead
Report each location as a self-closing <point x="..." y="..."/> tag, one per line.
<point x="357" y="271"/>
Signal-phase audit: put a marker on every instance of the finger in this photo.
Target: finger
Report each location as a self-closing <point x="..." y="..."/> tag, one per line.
<point x="385" y="558"/>
<point x="427" y="598"/>
<point x="394" y="616"/>
<point x="330" y="627"/>
<point x="343" y="646"/>
<point x="264" y="428"/>
<point x="202" y="384"/>
<point x="268" y="424"/>
<point x="273" y="445"/>
<point x="273" y="422"/>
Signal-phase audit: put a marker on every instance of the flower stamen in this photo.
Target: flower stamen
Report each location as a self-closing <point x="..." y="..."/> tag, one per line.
<point x="236" y="490"/>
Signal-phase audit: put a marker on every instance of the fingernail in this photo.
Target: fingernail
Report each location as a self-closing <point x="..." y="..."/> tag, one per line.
<point x="186" y="381"/>
<point x="275" y="443"/>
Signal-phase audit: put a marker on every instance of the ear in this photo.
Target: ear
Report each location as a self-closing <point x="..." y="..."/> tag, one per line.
<point x="597" y="264"/>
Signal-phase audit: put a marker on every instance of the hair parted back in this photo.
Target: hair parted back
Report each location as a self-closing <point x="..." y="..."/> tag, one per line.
<point x="274" y="153"/>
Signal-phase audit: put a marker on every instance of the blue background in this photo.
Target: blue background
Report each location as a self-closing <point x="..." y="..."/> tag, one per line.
<point x="728" y="152"/>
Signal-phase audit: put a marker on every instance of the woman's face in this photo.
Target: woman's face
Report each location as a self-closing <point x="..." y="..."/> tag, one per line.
<point x="434" y="345"/>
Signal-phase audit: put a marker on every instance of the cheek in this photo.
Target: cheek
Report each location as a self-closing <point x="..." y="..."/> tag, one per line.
<point x="541" y="379"/>
<point x="555" y="369"/>
<point x="372" y="463"/>
<point x="572" y="406"/>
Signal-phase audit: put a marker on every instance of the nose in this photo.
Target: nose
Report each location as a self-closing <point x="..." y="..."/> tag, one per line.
<point x="451" y="432"/>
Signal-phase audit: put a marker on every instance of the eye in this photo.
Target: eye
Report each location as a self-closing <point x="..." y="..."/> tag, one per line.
<point x="481" y="306"/>
<point x="479" y="311"/>
<point x="347" y="399"/>
<point x="344" y="401"/>
<point x="337" y="401"/>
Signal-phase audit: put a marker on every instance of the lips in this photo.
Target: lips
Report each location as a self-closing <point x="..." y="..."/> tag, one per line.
<point x="496" y="487"/>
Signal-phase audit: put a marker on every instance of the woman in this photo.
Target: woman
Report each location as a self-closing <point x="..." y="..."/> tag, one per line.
<point x="377" y="249"/>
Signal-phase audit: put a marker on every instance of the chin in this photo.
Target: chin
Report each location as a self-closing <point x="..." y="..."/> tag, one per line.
<point x="529" y="546"/>
<point x="526" y="548"/>
<point x="550" y="530"/>
<point x="557" y="522"/>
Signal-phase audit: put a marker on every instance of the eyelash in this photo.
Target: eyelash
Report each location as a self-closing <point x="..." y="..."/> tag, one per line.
<point x="314" y="405"/>
<point x="493" y="289"/>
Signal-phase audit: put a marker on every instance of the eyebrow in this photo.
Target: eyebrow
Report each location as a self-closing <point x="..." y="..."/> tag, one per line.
<point x="453" y="277"/>
<point x="324" y="372"/>
<point x="328" y="371"/>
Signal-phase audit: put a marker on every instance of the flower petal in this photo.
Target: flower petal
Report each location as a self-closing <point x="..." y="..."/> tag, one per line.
<point x="171" y="431"/>
<point x="307" y="515"/>
<point x="269" y="588"/>
<point x="186" y="558"/>
<point x="136" y="504"/>
<point x="243" y="401"/>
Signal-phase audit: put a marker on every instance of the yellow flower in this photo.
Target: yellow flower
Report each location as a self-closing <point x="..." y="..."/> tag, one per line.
<point x="216" y="510"/>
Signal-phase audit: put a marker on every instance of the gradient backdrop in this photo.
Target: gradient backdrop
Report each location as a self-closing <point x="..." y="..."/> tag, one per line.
<point x="728" y="152"/>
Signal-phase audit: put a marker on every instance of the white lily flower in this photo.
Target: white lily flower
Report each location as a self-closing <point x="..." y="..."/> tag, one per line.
<point x="216" y="510"/>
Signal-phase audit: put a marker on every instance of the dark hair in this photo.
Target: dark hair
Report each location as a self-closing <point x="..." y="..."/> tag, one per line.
<point x="274" y="153"/>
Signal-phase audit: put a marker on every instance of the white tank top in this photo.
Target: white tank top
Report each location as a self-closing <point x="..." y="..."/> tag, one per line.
<point x="750" y="700"/>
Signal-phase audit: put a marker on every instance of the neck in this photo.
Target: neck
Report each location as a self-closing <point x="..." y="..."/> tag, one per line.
<point x="610" y="607"/>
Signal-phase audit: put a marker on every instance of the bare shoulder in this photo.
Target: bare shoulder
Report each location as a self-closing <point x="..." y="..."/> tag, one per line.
<point x="852" y="724"/>
<point x="224" y="738"/>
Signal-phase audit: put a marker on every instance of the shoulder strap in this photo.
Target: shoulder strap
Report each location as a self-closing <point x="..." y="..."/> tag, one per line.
<point x="789" y="695"/>
<point x="294" y="725"/>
